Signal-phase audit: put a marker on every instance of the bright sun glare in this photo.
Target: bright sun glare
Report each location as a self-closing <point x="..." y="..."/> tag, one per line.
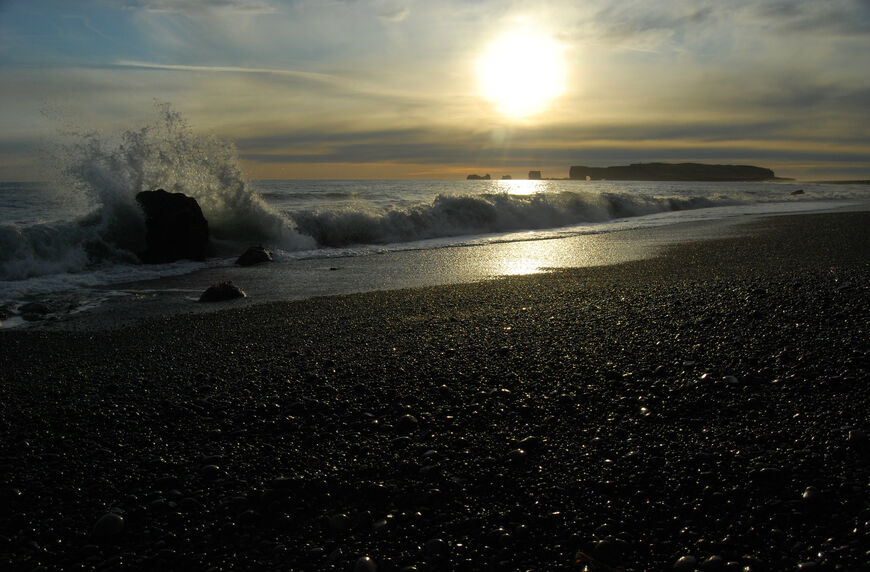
<point x="521" y="72"/>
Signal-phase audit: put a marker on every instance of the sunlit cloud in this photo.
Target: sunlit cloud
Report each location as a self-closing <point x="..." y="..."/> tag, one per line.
<point x="394" y="83"/>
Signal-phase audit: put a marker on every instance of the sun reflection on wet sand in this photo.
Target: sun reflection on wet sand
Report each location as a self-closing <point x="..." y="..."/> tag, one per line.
<point x="534" y="256"/>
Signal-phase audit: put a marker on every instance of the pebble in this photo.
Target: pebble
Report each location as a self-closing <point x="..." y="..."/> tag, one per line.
<point x="108" y="526"/>
<point x="211" y="471"/>
<point x="712" y="564"/>
<point x="365" y="564"/>
<point x="338" y="523"/>
<point x="406" y="424"/>
<point x="517" y="456"/>
<point x="685" y="564"/>
<point x="435" y="547"/>
<point x="859" y="441"/>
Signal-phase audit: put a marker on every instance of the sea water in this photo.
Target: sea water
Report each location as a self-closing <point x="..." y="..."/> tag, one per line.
<point x="73" y="238"/>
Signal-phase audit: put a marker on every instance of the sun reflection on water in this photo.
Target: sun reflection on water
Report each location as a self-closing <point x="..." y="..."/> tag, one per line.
<point x="521" y="186"/>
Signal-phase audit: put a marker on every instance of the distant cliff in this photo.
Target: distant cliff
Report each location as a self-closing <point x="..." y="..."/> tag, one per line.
<point x="673" y="172"/>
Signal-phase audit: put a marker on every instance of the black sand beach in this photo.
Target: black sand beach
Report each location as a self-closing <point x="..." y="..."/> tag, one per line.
<point x="703" y="409"/>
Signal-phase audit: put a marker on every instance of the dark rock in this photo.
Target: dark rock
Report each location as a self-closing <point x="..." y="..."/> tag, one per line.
<point x="254" y="255"/>
<point x="34" y="308"/>
<point x="798" y="192"/>
<point x="478" y="177"/>
<point x="175" y="227"/>
<point x="222" y="291"/>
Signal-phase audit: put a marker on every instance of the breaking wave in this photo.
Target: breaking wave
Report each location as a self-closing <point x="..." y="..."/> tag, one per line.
<point x="450" y="215"/>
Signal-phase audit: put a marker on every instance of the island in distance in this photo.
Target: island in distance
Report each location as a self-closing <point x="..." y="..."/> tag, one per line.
<point x="673" y="172"/>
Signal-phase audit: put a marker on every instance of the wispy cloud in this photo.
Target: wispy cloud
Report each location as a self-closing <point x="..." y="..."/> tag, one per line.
<point x="310" y="76"/>
<point x="199" y="6"/>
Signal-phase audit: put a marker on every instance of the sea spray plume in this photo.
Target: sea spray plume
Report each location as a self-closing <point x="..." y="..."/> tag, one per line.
<point x="168" y="154"/>
<point x="110" y="170"/>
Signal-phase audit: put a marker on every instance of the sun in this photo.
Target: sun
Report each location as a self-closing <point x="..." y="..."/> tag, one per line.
<point x="521" y="72"/>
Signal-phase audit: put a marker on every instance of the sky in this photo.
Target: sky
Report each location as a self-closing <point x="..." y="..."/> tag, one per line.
<point x="411" y="89"/>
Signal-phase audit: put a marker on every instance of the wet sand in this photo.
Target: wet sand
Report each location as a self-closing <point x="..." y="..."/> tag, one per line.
<point x="704" y="408"/>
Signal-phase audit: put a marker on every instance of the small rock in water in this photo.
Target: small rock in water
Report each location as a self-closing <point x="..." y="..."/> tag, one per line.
<point x="222" y="291"/>
<point x="109" y="525"/>
<point x="254" y="255"/>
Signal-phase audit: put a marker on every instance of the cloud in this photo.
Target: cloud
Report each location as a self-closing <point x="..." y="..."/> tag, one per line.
<point x="394" y="14"/>
<point x="834" y="17"/>
<point x="650" y="26"/>
<point x="199" y="6"/>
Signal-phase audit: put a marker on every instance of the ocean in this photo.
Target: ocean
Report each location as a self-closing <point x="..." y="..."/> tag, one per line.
<point x="71" y="243"/>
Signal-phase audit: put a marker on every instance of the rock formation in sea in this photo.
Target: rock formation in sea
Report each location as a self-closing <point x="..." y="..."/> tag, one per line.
<point x="474" y="177"/>
<point x="176" y="229"/>
<point x="673" y="172"/>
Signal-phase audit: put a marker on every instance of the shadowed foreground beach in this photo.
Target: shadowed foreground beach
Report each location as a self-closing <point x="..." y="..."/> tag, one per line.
<point x="706" y="408"/>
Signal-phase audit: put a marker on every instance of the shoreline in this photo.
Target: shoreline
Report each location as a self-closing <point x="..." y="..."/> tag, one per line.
<point x="124" y="304"/>
<point x="708" y="403"/>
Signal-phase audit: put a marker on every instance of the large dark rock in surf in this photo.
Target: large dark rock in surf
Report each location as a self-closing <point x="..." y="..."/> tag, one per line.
<point x="222" y="291"/>
<point x="254" y="255"/>
<point x="673" y="172"/>
<point x="175" y="227"/>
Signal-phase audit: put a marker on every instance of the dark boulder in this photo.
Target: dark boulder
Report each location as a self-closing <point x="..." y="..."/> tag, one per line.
<point x="175" y="227"/>
<point x="254" y="255"/>
<point x="222" y="291"/>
